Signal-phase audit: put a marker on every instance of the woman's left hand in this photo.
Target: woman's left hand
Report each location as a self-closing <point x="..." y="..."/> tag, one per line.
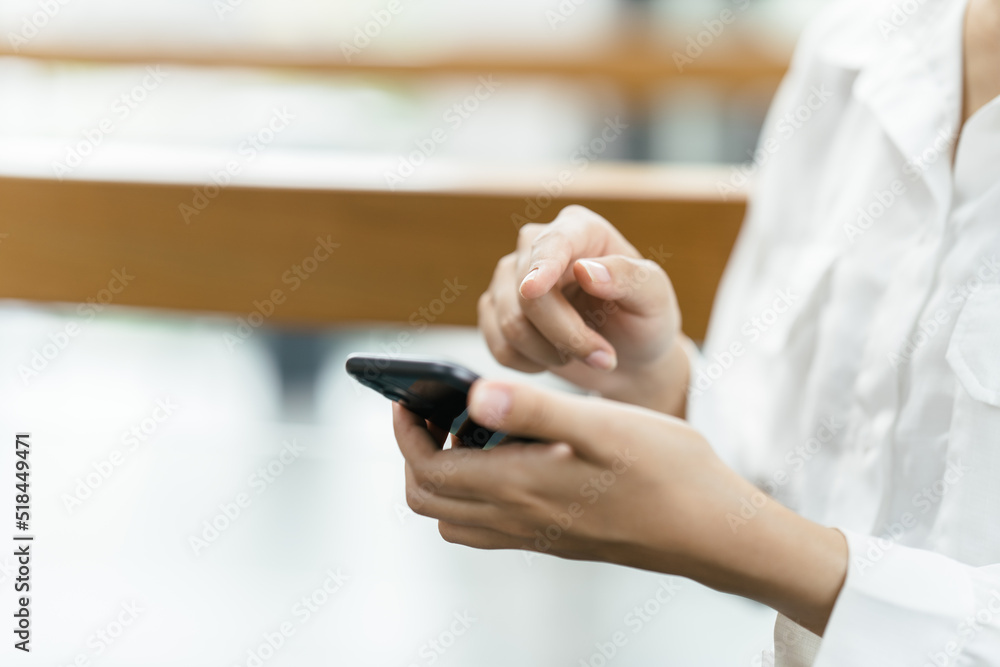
<point x="619" y="484"/>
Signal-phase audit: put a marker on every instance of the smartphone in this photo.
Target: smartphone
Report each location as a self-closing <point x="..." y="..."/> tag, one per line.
<point x="436" y="390"/>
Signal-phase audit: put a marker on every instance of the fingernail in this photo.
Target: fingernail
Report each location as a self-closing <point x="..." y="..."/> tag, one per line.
<point x="601" y="360"/>
<point x="492" y="405"/>
<point x="528" y="278"/>
<point x="597" y="271"/>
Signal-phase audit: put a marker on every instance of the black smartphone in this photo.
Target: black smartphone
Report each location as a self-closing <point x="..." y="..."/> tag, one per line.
<point x="436" y="390"/>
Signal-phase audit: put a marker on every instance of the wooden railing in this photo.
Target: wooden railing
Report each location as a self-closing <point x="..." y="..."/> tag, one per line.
<point x="396" y="249"/>
<point x="632" y="62"/>
<point x="396" y="252"/>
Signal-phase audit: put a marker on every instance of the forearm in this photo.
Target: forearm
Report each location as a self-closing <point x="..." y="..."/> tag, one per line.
<point x="788" y="563"/>
<point x="751" y="545"/>
<point x="758" y="550"/>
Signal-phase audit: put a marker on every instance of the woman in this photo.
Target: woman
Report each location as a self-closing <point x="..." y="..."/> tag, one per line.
<point x="851" y="374"/>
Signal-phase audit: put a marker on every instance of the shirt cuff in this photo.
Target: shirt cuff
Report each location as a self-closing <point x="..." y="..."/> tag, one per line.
<point x="899" y="606"/>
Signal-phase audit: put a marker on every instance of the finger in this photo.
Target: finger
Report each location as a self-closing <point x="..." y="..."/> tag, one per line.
<point x="459" y="472"/>
<point x="589" y="425"/>
<point x="480" y="538"/>
<point x="439" y="434"/>
<point x="458" y="511"/>
<point x="415" y="442"/>
<point x="638" y="286"/>
<point x="555" y="318"/>
<point x="527" y="235"/>
<point x="519" y="332"/>
<point x="501" y="348"/>
<point x="576" y="232"/>
<point x="420" y="491"/>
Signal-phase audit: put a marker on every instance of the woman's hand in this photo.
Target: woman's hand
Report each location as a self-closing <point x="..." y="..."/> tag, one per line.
<point x="620" y="484"/>
<point x="579" y="300"/>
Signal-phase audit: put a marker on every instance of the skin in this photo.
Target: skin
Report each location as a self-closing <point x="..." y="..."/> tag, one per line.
<point x="982" y="54"/>
<point x="625" y="479"/>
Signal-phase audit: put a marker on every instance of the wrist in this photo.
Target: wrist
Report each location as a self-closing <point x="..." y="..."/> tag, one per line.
<point x="660" y="385"/>
<point x="768" y="553"/>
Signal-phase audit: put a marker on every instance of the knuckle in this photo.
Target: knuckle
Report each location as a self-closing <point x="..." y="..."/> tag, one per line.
<point x="575" y="211"/>
<point x="647" y="268"/>
<point x="515" y="327"/>
<point x="483" y="305"/>
<point x="645" y="272"/>
<point x="414" y="502"/>
<point x="581" y="215"/>
<point x="507" y="261"/>
<point x="518" y="529"/>
<point x="506" y="355"/>
<point x="573" y="342"/>
<point x="449" y="532"/>
<point x="565" y="353"/>
<point x="529" y="231"/>
<point x="415" y="498"/>
<point x="537" y="415"/>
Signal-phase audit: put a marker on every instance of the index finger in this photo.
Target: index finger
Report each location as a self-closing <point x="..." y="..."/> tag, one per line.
<point x="575" y="233"/>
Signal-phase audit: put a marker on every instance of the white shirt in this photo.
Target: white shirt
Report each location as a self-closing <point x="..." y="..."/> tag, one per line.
<point x="852" y="367"/>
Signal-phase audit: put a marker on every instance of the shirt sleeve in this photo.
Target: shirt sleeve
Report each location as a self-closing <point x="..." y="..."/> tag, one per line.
<point x="906" y="606"/>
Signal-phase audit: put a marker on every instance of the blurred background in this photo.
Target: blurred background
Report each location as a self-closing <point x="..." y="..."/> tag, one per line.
<point x="205" y="205"/>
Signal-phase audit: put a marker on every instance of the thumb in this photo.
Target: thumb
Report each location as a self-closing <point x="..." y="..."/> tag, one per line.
<point x="639" y="286"/>
<point x="526" y="411"/>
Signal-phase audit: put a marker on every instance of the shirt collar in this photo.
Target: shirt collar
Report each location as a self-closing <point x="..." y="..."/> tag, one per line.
<point x="911" y="78"/>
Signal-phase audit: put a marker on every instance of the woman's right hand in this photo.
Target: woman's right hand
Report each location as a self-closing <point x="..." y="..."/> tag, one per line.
<point x="576" y="298"/>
